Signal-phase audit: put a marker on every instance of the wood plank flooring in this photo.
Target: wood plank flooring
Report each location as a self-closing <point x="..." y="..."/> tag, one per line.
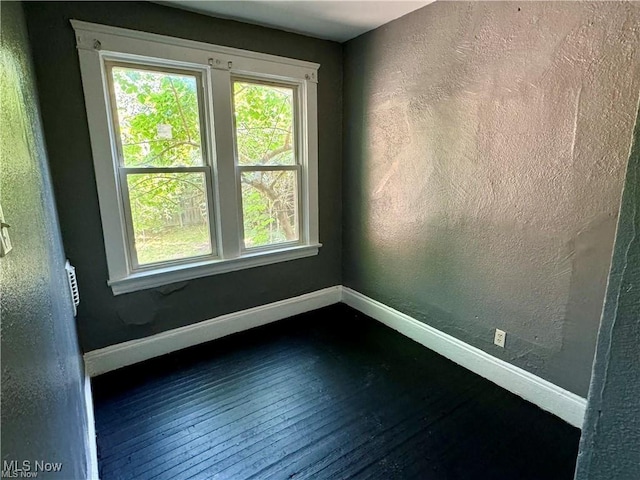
<point x="318" y="397"/>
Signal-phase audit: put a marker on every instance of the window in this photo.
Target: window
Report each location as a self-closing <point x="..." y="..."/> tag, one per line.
<point x="165" y="183"/>
<point x="266" y="144"/>
<point x="205" y="156"/>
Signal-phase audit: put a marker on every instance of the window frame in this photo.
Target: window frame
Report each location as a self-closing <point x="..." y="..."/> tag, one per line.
<point x="100" y="46"/>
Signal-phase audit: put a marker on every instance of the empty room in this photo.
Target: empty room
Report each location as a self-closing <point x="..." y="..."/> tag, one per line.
<point x="320" y="240"/>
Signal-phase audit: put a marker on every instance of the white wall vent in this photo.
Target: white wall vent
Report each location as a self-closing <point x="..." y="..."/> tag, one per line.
<point x="73" y="286"/>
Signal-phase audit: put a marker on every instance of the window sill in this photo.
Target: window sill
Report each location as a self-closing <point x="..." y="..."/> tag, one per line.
<point x="181" y="273"/>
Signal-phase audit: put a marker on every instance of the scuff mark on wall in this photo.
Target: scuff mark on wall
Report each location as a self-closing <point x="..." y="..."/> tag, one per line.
<point x="172" y="288"/>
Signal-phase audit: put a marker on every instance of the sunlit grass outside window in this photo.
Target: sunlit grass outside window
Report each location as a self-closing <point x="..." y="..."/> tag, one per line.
<point x="170" y="217"/>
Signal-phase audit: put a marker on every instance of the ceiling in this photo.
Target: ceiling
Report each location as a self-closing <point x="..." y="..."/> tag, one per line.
<point x="328" y="19"/>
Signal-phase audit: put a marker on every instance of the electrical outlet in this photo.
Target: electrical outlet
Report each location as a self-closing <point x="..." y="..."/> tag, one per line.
<point x="500" y="337"/>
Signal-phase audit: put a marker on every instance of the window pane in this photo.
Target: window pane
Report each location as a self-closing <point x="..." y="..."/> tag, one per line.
<point x="170" y="216"/>
<point x="158" y="117"/>
<point x="270" y="207"/>
<point x="264" y="124"/>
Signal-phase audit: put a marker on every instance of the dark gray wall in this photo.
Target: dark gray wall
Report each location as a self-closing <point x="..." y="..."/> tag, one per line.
<point x="485" y="151"/>
<point x="610" y="443"/>
<point x="43" y="409"/>
<point x="105" y="319"/>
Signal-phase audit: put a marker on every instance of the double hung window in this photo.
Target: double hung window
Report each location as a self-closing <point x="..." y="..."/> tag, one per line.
<point x="205" y="157"/>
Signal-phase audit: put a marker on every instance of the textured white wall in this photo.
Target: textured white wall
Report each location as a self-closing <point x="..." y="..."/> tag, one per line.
<point x="486" y="145"/>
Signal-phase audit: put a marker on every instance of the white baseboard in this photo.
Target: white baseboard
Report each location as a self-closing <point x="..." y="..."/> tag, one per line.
<point x="134" y="351"/>
<point x="562" y="403"/>
<point x="92" y="460"/>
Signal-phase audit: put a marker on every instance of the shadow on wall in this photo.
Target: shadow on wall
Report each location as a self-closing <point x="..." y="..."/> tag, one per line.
<point x="611" y="431"/>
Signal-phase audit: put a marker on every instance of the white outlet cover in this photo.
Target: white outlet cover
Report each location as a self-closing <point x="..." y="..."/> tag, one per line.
<point x="500" y="337"/>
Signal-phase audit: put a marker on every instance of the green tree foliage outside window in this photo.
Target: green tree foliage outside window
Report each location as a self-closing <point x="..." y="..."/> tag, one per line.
<point x="264" y="117"/>
<point x="159" y="126"/>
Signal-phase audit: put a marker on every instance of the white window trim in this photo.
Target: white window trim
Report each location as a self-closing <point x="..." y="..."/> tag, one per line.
<point x="97" y="43"/>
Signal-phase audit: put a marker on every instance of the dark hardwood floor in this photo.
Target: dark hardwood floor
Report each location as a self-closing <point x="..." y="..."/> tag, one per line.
<point x="319" y="397"/>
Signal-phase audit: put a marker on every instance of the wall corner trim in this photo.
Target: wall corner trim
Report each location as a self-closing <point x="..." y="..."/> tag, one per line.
<point x="92" y="447"/>
<point x="120" y="355"/>
<point x="546" y="395"/>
